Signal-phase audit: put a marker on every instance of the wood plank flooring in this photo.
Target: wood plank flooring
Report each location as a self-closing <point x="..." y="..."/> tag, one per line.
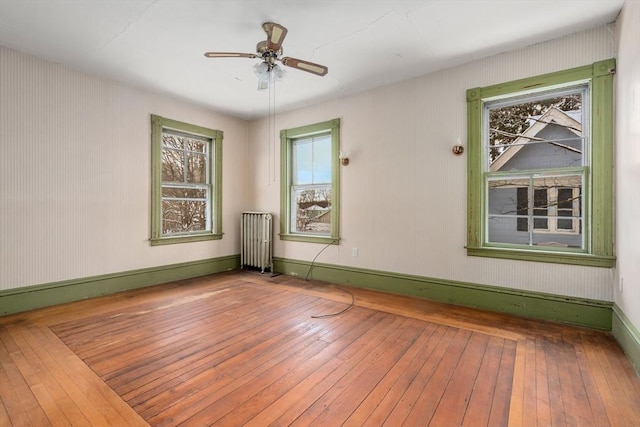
<point x="246" y="349"/>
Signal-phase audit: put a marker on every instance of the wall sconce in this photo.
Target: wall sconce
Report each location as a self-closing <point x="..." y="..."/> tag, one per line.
<point x="458" y="148"/>
<point x="344" y="158"/>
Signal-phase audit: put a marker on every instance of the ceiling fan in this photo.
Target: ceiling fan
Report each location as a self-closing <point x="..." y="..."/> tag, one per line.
<point x="270" y="51"/>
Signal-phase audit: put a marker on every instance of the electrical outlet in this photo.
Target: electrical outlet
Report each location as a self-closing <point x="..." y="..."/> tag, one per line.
<point x="621" y="284"/>
<point x="354" y="251"/>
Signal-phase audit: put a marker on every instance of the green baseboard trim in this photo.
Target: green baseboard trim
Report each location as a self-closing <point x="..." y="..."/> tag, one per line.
<point x="627" y="336"/>
<point x="38" y="296"/>
<point x="568" y="310"/>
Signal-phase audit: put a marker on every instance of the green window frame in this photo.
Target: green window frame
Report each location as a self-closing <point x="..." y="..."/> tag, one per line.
<point x="288" y="139"/>
<point x="209" y="190"/>
<point x="598" y="227"/>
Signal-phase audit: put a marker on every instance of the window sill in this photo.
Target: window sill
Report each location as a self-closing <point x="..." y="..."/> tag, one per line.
<point x="556" y="257"/>
<point x="310" y="238"/>
<point x="184" y="239"/>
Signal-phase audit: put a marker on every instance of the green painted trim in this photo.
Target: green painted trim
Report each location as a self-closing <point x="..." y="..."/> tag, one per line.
<point x="475" y="181"/>
<point x="286" y="173"/>
<point x="553" y="256"/>
<point x="532" y="84"/>
<point x="555" y="308"/>
<point x="627" y="336"/>
<point x="309" y="239"/>
<point x="185" y="239"/>
<point x="217" y="185"/>
<point x="599" y="195"/>
<point x="159" y="123"/>
<point x="602" y="215"/>
<point x="32" y="297"/>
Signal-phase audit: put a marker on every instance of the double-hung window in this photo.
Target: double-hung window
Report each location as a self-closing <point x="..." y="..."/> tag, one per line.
<point x="186" y="168"/>
<point x="310" y="178"/>
<point x="540" y="168"/>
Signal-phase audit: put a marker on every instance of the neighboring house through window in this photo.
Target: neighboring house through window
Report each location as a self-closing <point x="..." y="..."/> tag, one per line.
<point x="540" y="168"/>
<point x="310" y="182"/>
<point x="186" y="190"/>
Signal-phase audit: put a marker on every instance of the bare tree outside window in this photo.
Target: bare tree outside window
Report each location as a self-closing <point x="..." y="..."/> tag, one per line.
<point x="185" y="183"/>
<point x="313" y="210"/>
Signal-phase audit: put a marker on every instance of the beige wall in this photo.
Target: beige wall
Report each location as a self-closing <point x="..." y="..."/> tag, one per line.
<point x="75" y="175"/>
<point x="628" y="162"/>
<point x="404" y="192"/>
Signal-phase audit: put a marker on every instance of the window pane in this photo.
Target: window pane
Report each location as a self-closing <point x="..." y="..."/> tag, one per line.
<point x="540" y="133"/>
<point x="322" y="160"/>
<point x="508" y="210"/>
<point x="303" y="162"/>
<point x="195" y="145"/>
<point x="505" y="195"/>
<point x="171" y="140"/>
<point x="183" y="193"/>
<point x="312" y="207"/>
<point x="180" y="216"/>
<point x="197" y="168"/>
<point x="312" y="160"/>
<point x="172" y="165"/>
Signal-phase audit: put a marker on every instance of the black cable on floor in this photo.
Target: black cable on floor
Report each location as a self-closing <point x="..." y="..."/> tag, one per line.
<point x="353" y="300"/>
<point x="324" y="316"/>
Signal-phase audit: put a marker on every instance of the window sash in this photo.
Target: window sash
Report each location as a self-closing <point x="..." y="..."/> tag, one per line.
<point x="511" y="100"/>
<point x="301" y="220"/>
<point x="535" y="217"/>
<point x="204" y="200"/>
<point x="313" y="166"/>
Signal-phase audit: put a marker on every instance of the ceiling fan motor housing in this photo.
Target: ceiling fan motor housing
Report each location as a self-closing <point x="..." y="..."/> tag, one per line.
<point x="263" y="50"/>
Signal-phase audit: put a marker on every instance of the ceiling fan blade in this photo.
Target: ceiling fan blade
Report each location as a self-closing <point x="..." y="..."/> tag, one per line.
<point x="230" y="55"/>
<point x="275" y="35"/>
<point x="307" y="66"/>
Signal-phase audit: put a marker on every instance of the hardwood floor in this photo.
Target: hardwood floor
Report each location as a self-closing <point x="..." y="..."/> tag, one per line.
<point x="247" y="349"/>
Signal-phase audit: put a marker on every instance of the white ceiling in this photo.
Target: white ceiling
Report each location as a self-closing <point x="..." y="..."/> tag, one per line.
<point x="159" y="45"/>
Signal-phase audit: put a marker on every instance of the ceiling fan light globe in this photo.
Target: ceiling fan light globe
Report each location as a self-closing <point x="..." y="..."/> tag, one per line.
<point x="261" y="68"/>
<point x="263" y="81"/>
<point x="279" y="73"/>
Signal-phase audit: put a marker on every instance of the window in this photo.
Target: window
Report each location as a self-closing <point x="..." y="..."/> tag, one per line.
<point x="310" y="178"/>
<point x="186" y="194"/>
<point x="540" y="168"/>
